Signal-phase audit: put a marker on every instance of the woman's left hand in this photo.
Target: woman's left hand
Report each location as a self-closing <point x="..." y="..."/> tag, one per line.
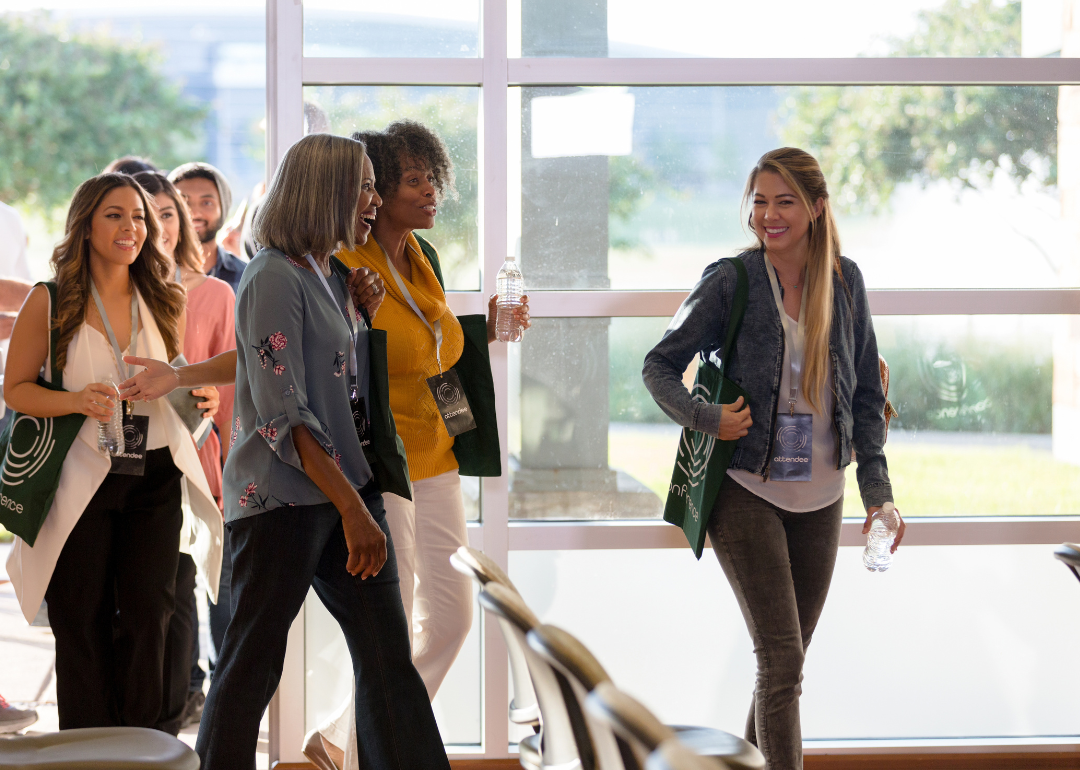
<point x="367" y="289"/>
<point x="212" y="400"/>
<point x="521" y="315"/>
<point x="869" y="521"/>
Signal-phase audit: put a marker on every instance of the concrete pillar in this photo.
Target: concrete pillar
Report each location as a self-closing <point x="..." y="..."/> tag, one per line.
<point x="563" y="471"/>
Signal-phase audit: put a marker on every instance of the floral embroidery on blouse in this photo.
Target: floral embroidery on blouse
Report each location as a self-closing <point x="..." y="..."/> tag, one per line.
<point x="268" y="347"/>
<point x="258" y="502"/>
<point x="339" y="363"/>
<point x="249" y="494"/>
<point x="268" y="432"/>
<point x="235" y="431"/>
<point x="294" y="263"/>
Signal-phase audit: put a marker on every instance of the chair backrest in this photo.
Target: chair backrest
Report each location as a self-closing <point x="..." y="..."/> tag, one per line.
<point x="673" y="755"/>
<point x="561" y="731"/>
<point x="568" y="655"/>
<point x="628" y="717"/>
<point x="119" y="748"/>
<point x="479" y="566"/>
<point x="524" y="709"/>
<point x="1069" y="553"/>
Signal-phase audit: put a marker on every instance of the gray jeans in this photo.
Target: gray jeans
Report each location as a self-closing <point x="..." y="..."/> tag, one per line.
<point x="780" y="565"/>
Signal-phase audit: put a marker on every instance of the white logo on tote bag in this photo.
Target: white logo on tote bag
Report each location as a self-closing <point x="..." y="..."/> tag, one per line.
<point x="696" y="451"/>
<point x="20" y="466"/>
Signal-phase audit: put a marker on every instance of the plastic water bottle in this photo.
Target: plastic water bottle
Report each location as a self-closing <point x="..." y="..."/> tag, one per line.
<point x="110" y="434"/>
<point x="886" y="523"/>
<point x="510" y="286"/>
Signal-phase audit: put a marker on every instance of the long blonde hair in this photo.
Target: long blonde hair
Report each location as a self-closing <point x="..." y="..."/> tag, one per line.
<point x="801" y="172"/>
<point x="151" y="272"/>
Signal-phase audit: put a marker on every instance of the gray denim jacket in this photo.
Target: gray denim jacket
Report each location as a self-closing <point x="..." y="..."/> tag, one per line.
<point x="700" y="326"/>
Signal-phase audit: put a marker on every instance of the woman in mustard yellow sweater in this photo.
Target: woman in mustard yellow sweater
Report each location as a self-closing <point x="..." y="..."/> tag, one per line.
<point x="413" y="173"/>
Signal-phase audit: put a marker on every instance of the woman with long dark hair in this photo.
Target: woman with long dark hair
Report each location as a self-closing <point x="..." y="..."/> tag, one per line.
<point x="106" y="556"/>
<point x="807" y="356"/>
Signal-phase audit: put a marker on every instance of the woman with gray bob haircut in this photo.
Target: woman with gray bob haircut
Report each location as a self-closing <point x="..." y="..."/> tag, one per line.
<point x="303" y="496"/>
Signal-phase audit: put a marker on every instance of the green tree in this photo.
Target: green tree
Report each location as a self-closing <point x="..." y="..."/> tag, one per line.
<point x="869" y="139"/>
<point x="69" y="104"/>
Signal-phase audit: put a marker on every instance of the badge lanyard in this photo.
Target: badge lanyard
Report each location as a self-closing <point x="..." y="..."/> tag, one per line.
<point x="796" y="338"/>
<point x="112" y="337"/>
<point x="446" y="389"/>
<point x="436" y="328"/>
<point x="350" y="312"/>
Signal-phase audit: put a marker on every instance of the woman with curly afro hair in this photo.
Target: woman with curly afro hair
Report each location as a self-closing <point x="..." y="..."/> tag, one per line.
<point x="414" y="174"/>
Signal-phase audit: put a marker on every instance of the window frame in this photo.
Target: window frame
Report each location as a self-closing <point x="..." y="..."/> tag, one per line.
<point x="494" y="72"/>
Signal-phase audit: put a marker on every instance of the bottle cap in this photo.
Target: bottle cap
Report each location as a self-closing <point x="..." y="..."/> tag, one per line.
<point x="888" y="508"/>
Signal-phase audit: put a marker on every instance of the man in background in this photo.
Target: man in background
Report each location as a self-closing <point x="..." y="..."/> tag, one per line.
<point x="209" y="197"/>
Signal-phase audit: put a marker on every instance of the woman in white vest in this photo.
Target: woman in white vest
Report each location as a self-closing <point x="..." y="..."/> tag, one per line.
<point x="106" y="556"/>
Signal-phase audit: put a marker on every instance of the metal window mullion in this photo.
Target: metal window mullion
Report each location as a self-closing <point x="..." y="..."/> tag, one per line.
<point x="327" y="71"/>
<point x="631" y="304"/>
<point x="284" y="122"/>
<point x="492" y="145"/>
<point x="850" y="71"/>
<point x="604" y="535"/>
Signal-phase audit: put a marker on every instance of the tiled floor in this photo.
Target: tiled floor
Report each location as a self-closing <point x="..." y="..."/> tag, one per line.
<point x="27" y="676"/>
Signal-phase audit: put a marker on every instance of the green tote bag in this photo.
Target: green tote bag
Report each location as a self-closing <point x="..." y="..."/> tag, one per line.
<point x="702" y="461"/>
<point x="34" y="449"/>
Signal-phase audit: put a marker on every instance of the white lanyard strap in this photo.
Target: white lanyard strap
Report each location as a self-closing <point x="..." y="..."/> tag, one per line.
<point x="112" y="337"/>
<point x="350" y="318"/>
<point x="796" y="338"/>
<point x="436" y="328"/>
<point x="179" y="277"/>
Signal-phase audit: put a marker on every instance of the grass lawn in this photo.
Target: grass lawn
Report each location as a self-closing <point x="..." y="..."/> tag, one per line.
<point x="929" y="479"/>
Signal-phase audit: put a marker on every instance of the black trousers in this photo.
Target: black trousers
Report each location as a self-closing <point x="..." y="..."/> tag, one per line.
<point x="277" y="556"/>
<point x="181" y="640"/>
<point x="220" y="615"/>
<point x="111" y="597"/>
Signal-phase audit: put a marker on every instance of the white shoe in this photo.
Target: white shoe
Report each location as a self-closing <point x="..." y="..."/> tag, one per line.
<point x="314" y="751"/>
<point x="12" y="719"/>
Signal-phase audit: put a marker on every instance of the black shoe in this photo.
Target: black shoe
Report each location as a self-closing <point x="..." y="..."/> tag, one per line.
<point x="192" y="709"/>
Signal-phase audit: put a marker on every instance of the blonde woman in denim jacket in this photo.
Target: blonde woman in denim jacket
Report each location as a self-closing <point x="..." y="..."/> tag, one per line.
<point x="776" y="539"/>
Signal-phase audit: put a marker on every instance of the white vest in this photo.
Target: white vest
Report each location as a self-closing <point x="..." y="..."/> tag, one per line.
<point x="31" y="569"/>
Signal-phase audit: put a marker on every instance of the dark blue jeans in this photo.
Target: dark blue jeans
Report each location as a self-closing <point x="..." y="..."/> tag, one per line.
<point x="780" y="565"/>
<point x="277" y="556"/>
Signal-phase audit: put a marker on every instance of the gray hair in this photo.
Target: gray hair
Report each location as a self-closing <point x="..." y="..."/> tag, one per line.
<point x="311" y="202"/>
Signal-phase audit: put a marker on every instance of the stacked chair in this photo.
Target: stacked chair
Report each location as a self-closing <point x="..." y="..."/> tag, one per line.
<point x="98" y="748"/>
<point x="538" y="700"/>
<point x="1069" y="553"/>
<point x="561" y="673"/>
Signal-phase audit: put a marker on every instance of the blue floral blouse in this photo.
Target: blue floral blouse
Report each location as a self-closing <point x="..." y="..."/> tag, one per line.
<point x="292" y="359"/>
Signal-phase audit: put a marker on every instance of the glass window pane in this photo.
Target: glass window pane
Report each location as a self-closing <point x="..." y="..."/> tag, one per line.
<point x="449" y="28"/>
<point x="978" y="633"/>
<point x="449" y="111"/>
<point x="184" y="82"/>
<point x="328" y="678"/>
<point x="932" y="187"/>
<point x="987" y="408"/>
<point x="833" y="28"/>
<point x="586" y="439"/>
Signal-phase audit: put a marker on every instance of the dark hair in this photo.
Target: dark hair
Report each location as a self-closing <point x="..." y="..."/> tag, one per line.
<point x="151" y="272"/>
<point x="129" y="164"/>
<point x="195" y="173"/>
<point x="402" y="141"/>
<point x="187" y="252"/>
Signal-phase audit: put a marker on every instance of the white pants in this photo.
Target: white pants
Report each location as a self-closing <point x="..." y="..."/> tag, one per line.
<point x="437" y="598"/>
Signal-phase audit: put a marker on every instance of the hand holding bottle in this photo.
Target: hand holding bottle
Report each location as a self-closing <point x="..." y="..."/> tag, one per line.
<point x="520" y="315"/>
<point x="884" y="529"/>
